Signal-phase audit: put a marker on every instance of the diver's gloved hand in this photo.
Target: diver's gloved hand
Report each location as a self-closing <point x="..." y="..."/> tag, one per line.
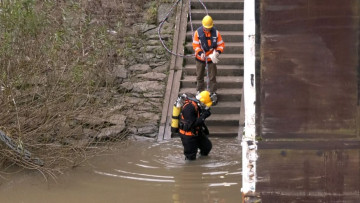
<point x="205" y="113"/>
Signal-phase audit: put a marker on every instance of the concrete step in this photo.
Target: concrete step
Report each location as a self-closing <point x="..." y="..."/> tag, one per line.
<point x="217" y="4"/>
<point x="223" y="131"/>
<point x="223" y="120"/>
<point x="222" y="70"/>
<point x="224" y="94"/>
<point x="218" y="14"/>
<point x="228" y="36"/>
<point x="225" y="59"/>
<point x="223" y="82"/>
<point x="230" y="47"/>
<point x="221" y="25"/>
<point x="226" y="107"/>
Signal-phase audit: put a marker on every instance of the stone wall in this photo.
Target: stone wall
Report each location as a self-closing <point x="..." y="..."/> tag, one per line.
<point x="143" y="79"/>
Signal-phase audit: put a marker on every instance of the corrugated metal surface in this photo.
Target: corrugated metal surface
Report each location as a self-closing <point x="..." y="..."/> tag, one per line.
<point x="309" y="68"/>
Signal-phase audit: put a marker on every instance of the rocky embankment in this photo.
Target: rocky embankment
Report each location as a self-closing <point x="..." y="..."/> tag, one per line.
<point x="102" y="76"/>
<point x="142" y="80"/>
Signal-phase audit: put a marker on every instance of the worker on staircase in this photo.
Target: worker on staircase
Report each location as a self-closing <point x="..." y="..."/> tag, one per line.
<point x="192" y="129"/>
<point x="208" y="45"/>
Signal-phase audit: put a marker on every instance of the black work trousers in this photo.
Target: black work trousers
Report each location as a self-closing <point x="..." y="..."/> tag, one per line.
<point x="193" y="143"/>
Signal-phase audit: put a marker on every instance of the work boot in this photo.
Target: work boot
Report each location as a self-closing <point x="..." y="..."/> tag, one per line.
<point x="214" y="98"/>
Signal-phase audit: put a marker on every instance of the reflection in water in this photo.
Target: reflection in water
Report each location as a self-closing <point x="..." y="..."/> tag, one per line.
<point x="142" y="171"/>
<point x="136" y="178"/>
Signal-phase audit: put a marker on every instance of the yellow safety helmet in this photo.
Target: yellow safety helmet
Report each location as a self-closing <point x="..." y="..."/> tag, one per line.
<point x="204" y="97"/>
<point x="207" y="22"/>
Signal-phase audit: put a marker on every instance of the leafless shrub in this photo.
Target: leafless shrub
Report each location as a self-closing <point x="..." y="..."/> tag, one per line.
<point x="53" y="55"/>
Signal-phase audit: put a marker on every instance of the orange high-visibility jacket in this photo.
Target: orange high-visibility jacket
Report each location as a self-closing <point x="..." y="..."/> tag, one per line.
<point x="197" y="45"/>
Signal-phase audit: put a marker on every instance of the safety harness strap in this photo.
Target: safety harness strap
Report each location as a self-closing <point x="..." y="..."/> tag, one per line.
<point x="190" y="132"/>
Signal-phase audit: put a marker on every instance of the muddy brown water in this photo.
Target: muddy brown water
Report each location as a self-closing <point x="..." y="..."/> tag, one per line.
<point x="142" y="171"/>
<point x="148" y="171"/>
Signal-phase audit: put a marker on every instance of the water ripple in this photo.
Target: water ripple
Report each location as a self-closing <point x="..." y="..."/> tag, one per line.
<point x="163" y="162"/>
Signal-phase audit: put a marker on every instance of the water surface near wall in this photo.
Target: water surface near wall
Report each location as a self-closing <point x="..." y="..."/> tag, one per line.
<point x="148" y="171"/>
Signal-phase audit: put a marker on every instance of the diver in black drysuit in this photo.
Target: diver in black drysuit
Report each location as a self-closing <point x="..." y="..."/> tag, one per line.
<point x="193" y="131"/>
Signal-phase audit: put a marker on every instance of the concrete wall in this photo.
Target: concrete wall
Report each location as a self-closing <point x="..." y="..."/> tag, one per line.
<point x="308" y="175"/>
<point x="309" y="68"/>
